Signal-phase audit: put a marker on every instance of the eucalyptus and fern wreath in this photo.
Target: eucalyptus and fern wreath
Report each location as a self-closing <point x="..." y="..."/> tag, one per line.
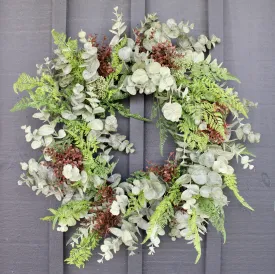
<point x="78" y="95"/>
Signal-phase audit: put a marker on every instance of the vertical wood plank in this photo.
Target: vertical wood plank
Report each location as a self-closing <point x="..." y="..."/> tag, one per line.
<point x="136" y="133"/>
<point x="56" y="248"/>
<point x="213" y="238"/>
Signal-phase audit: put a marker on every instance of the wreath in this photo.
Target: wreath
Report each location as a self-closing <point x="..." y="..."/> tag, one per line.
<point x="78" y="95"/>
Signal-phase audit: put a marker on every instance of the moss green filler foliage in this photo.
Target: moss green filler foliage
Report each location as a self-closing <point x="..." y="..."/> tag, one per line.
<point x="78" y="95"/>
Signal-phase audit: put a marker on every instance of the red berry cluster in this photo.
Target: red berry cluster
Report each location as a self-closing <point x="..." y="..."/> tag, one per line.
<point x="104" y="54"/>
<point x="103" y="219"/>
<point x="71" y="155"/>
<point x="165" y="54"/>
<point x="168" y="171"/>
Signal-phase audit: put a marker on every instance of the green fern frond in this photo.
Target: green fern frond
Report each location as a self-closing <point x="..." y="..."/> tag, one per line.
<point x="164" y="212"/>
<point x="66" y="47"/>
<point x="117" y="64"/>
<point x="136" y="203"/>
<point x="26" y="82"/>
<point x="192" y="224"/>
<point x="163" y="134"/>
<point x="122" y="110"/>
<point x="231" y="182"/>
<point x="81" y="253"/>
<point x="68" y="213"/>
<point x="215" y="213"/>
<point x="23" y="104"/>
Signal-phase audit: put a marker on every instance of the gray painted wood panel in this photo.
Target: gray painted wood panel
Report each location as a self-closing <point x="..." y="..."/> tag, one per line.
<point x="28" y="246"/>
<point x="25" y="40"/>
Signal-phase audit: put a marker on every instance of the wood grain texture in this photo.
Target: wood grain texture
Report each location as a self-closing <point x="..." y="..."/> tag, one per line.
<point x="213" y="238"/>
<point x="249" y="39"/>
<point x="25" y="39"/>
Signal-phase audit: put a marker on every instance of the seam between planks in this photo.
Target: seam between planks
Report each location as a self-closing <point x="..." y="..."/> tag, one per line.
<point x="213" y="238"/>
<point x="136" y="133"/>
<point x="56" y="239"/>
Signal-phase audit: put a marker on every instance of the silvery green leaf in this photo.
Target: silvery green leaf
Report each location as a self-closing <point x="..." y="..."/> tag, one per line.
<point x="207" y="159"/>
<point x="98" y="110"/>
<point x="202" y="39"/>
<point x="114" y="40"/>
<point x="222" y="167"/>
<point x="68" y="115"/>
<point x="217" y="193"/>
<point x="130" y="43"/>
<point x="84" y="177"/>
<point x="257" y="137"/>
<point x="199" y="175"/>
<point x="127" y="238"/>
<point x="24" y="166"/>
<point x="245" y="159"/>
<point x="186" y="195"/>
<point x="197" y="57"/>
<point x="88" y="75"/>
<point x="141" y="223"/>
<point x="122" y="29"/>
<point x="164" y="71"/>
<point x="116" y="231"/>
<point x="172" y="111"/>
<point x="125" y="54"/>
<point x="36" y="144"/>
<point x="97" y="181"/>
<point x="85" y="55"/>
<point x="78" y="88"/>
<point x="251" y="137"/>
<point x="154" y="190"/>
<point x="114" y="179"/>
<point x="140" y="77"/>
<point x="61" y="133"/>
<point x="111" y="123"/>
<point x="115" y="208"/>
<point x="194" y="189"/>
<point x="218" y="151"/>
<point x="46" y="130"/>
<point x="90" y="48"/>
<point x="28" y="137"/>
<point x="82" y="34"/>
<point x="136" y="190"/>
<point x="171" y="32"/>
<point x="184" y="179"/>
<point x="155" y="240"/>
<point x="205" y="191"/>
<point x="48" y="140"/>
<point x="131" y="90"/>
<point x="149" y="88"/>
<point x="239" y="133"/>
<point x="96" y="124"/>
<point x="67" y="69"/>
<point x="203" y="126"/>
<point x="214" y="178"/>
<point x="67" y="171"/>
<point x="38" y="115"/>
<point x="33" y="166"/>
<point x="246" y="128"/>
<point x="123" y="145"/>
<point x="153" y="68"/>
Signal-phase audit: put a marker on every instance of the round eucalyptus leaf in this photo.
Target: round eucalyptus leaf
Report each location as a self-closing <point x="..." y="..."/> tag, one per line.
<point x="46" y="130"/>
